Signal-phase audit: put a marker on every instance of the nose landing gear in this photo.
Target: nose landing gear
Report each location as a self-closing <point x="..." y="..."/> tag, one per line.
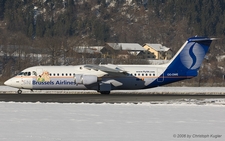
<point x="19" y="91"/>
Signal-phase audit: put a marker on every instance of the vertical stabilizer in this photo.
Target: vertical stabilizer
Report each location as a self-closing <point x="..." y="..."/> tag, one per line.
<point x="189" y="58"/>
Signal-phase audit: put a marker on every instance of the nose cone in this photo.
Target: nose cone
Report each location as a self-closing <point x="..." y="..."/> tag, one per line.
<point x="8" y="82"/>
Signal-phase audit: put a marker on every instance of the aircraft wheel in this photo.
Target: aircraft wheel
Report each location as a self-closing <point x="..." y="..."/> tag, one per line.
<point x="105" y="92"/>
<point x="19" y="91"/>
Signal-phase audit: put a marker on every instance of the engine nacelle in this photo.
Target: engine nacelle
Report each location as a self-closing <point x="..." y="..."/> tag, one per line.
<point x="89" y="79"/>
<point x="85" y="79"/>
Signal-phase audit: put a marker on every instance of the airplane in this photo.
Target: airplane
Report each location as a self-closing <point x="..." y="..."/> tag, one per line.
<point x="106" y="78"/>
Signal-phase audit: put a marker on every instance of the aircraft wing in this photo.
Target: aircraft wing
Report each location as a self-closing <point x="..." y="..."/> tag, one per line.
<point x="110" y="69"/>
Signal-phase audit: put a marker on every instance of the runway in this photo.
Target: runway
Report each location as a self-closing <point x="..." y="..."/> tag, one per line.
<point x="97" y="98"/>
<point x="8" y="94"/>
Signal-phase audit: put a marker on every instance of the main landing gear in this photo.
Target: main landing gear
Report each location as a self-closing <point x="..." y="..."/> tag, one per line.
<point x="105" y="92"/>
<point x="19" y="91"/>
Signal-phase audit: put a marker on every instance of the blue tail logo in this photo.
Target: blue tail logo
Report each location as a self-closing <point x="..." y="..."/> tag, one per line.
<point x="192" y="55"/>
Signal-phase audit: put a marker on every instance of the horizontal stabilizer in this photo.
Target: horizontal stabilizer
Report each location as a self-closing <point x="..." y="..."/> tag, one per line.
<point x="199" y="39"/>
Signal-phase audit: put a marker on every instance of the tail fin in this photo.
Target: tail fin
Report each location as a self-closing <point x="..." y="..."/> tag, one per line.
<point x="189" y="58"/>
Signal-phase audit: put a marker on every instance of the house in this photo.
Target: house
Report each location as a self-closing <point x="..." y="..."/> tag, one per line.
<point x="131" y="48"/>
<point x="123" y="54"/>
<point x="158" y="51"/>
<point x="88" y="49"/>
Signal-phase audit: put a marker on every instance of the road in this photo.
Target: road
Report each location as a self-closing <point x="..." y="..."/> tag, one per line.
<point x="97" y="98"/>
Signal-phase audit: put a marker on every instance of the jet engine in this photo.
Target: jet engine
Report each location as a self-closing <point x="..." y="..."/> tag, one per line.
<point x="85" y="79"/>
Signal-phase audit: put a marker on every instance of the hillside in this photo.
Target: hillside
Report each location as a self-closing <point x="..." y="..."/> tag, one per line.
<point x="115" y="20"/>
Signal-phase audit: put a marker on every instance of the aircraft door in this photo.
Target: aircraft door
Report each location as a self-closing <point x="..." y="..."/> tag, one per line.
<point x="21" y="81"/>
<point x="160" y="75"/>
<point x="39" y="72"/>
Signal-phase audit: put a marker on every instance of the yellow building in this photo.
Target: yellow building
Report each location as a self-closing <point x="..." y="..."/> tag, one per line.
<point x="160" y="52"/>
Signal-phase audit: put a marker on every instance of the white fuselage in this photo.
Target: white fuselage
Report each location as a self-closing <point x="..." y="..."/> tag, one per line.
<point x="64" y="77"/>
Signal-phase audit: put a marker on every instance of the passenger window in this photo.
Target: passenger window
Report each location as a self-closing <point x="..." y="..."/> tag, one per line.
<point x="57" y="74"/>
<point x="146" y="74"/>
<point x="62" y="74"/>
<point x="53" y="74"/>
<point x="25" y="73"/>
<point x="29" y="73"/>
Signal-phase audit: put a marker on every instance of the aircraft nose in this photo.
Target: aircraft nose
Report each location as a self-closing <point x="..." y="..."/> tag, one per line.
<point x="8" y="82"/>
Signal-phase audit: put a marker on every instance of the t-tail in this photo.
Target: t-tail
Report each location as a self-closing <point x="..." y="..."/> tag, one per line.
<point x="186" y="63"/>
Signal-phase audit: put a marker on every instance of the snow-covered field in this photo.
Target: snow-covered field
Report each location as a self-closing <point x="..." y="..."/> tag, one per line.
<point x="111" y="122"/>
<point x="184" y="119"/>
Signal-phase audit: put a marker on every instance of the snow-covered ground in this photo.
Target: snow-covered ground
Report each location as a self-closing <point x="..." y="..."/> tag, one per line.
<point x="184" y="119"/>
<point x="111" y="122"/>
<point x="157" y="90"/>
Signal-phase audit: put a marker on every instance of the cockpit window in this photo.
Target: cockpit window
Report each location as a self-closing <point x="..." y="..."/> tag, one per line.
<point x="25" y="73"/>
<point x="21" y="73"/>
